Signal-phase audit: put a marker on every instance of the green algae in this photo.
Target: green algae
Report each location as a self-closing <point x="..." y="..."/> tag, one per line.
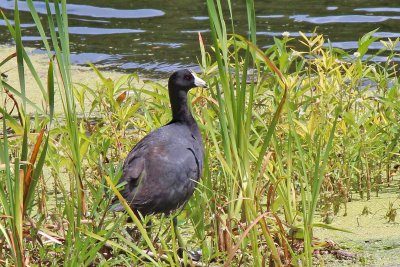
<point x="374" y="240"/>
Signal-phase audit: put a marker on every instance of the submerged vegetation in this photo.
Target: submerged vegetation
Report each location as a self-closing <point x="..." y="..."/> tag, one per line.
<point x="290" y="132"/>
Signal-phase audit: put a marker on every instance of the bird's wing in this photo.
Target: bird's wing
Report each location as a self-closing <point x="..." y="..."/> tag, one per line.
<point x="168" y="184"/>
<point x="132" y="174"/>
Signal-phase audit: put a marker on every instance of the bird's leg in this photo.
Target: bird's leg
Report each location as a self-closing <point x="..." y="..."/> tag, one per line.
<point x="134" y="231"/>
<point x="194" y="255"/>
<point x="148" y="228"/>
<point x="181" y="243"/>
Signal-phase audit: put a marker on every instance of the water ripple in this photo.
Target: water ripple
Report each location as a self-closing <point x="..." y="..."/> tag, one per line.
<point x="342" y="19"/>
<point x="331" y="8"/>
<point x="158" y="66"/>
<point x="158" y="44"/>
<point x="270" y="16"/>
<point x="87" y="11"/>
<point x="200" y="17"/>
<point x="195" y="31"/>
<point x="354" y="45"/>
<point x="387" y="34"/>
<point x="84" y="58"/>
<point x="31" y="38"/>
<point x="97" y="31"/>
<point x="279" y="34"/>
<point x="23" y="25"/>
<point x="378" y="9"/>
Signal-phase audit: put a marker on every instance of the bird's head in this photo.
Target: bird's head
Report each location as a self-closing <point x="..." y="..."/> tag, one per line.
<point x="185" y="80"/>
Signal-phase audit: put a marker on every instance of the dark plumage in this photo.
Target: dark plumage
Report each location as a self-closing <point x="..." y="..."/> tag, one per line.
<point x="161" y="171"/>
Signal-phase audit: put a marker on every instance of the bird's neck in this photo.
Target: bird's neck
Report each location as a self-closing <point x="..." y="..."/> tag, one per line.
<point x="179" y="106"/>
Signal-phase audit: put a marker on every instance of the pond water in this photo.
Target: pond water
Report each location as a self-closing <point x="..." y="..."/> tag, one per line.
<point x="156" y="37"/>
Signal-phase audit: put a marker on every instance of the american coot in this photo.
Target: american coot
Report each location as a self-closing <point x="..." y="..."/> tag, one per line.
<point x="161" y="171"/>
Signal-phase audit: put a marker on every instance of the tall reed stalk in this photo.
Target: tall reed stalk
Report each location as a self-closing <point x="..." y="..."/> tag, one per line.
<point x="241" y="158"/>
<point x="241" y="67"/>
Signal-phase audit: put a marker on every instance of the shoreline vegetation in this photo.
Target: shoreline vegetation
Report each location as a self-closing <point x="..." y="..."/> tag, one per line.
<point x="294" y="139"/>
<point x="366" y="242"/>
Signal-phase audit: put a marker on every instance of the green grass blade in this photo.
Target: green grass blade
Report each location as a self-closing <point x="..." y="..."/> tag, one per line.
<point x="39" y="26"/>
<point x="20" y="58"/>
<point x="18" y="213"/>
<point x="321" y="172"/>
<point x="50" y="89"/>
<point x="12" y="123"/>
<point x="26" y="58"/>
<point x="251" y="20"/>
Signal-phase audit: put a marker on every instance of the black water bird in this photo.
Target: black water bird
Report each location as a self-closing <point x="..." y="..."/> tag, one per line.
<point x="162" y="170"/>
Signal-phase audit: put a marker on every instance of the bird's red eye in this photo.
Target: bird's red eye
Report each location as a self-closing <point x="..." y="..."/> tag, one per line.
<point x="187" y="77"/>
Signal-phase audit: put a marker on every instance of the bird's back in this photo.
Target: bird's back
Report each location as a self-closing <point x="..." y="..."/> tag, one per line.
<point x="161" y="171"/>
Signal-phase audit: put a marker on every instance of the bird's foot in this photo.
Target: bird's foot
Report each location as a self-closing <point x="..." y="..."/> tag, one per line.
<point x="134" y="233"/>
<point x="195" y="255"/>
